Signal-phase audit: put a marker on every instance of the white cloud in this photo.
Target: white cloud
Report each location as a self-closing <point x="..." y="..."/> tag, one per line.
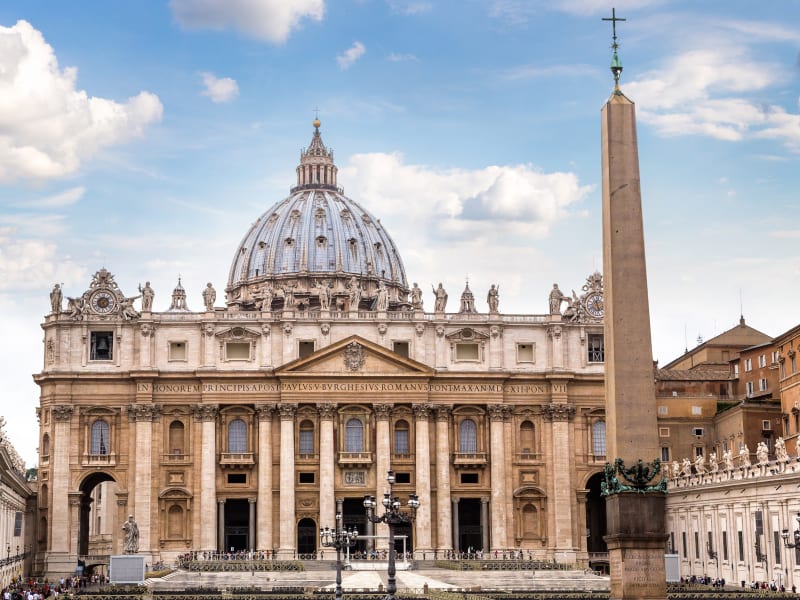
<point x="219" y="90"/>
<point x="398" y="57"/>
<point x="49" y="127"/>
<point x="351" y="55"/>
<point x="410" y="7"/>
<point x="267" y="20"/>
<point x="32" y="263"/>
<point x="65" y="198"/>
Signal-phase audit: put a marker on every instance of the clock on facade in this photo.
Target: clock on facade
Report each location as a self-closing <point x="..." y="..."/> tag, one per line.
<point x="594" y="305"/>
<point x="103" y="302"/>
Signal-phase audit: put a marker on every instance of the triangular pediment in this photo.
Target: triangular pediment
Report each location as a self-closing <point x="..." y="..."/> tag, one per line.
<point x="355" y="356"/>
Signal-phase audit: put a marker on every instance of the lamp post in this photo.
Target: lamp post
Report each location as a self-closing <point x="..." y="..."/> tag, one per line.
<point x="712" y="554"/>
<point x="795" y="540"/>
<point x="392" y="516"/>
<point x="339" y="539"/>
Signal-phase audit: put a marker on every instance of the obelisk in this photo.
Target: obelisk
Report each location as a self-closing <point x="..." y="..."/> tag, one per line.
<point x="634" y="488"/>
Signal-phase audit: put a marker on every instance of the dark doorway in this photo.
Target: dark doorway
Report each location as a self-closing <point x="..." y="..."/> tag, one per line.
<point x="470" y="533"/>
<point x="405" y="530"/>
<point x="355" y="515"/>
<point x="87" y="487"/>
<point x="237" y="525"/>
<point x="307" y="537"/>
<point x="596" y="524"/>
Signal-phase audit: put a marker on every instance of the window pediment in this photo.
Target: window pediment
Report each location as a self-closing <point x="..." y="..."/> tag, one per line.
<point x="467" y="334"/>
<point x="237" y="334"/>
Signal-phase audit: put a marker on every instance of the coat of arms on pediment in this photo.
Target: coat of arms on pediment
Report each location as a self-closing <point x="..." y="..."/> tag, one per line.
<point x="353" y="356"/>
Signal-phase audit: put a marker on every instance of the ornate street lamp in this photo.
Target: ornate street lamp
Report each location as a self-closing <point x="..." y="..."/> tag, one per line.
<point x="795" y="535"/>
<point x="339" y="539"/>
<point x="392" y="516"/>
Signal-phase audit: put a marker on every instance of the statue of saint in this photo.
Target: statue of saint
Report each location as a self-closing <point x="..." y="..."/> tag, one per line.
<point x="441" y="298"/>
<point x="147" y="296"/>
<point x="687" y="468"/>
<point x="288" y="297"/>
<point x="354" y="293"/>
<point x="416" y="297"/>
<point x="700" y="464"/>
<point x="727" y="458"/>
<point x="55" y="299"/>
<point x="130" y="543"/>
<point x="493" y="298"/>
<point x="209" y="297"/>
<point x="762" y="453"/>
<point x="744" y="456"/>
<point x="556" y="298"/>
<point x="781" y="455"/>
<point x="382" y="298"/>
<point x="76" y="307"/>
<point x="324" y="293"/>
<point x="713" y="465"/>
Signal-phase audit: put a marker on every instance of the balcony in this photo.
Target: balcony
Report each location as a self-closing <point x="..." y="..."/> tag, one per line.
<point x="466" y="460"/>
<point x="99" y="460"/>
<point x="176" y="458"/>
<point x="528" y="457"/>
<point x="306" y="458"/>
<point x="236" y="460"/>
<point x="402" y="459"/>
<point x="348" y="459"/>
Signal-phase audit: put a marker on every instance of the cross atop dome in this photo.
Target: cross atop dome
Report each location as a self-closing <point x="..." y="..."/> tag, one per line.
<point x="316" y="169"/>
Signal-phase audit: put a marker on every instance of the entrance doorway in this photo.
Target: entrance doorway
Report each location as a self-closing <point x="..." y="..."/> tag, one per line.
<point x="237" y="525"/>
<point x="596" y="524"/>
<point x="355" y="515"/>
<point x="470" y="532"/>
<point x="97" y="515"/>
<point x="307" y="536"/>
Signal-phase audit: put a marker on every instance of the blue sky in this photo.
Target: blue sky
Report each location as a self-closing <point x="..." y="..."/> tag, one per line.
<point x="147" y="136"/>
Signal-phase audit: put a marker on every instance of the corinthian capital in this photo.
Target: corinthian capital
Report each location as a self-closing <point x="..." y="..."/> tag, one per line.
<point x="205" y="412"/>
<point x="327" y="410"/>
<point x="558" y="412"/>
<point x="287" y="411"/>
<point x="61" y="412"/>
<point x="264" y="412"/>
<point x="422" y="411"/>
<point x="382" y="411"/>
<point x="443" y="412"/>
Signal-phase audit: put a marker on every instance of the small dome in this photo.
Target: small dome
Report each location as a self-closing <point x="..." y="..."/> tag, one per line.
<point x="317" y="238"/>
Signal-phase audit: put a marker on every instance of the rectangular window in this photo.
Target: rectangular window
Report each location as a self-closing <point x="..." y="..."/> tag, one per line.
<point x="698" y="451"/>
<point x="663" y="431"/>
<point x="696" y="544"/>
<point x="765" y="425"/>
<point x="697" y="410"/>
<point x="740" y="537"/>
<point x="17" y="524"/>
<point x="736" y="370"/>
<point x="401" y="445"/>
<point x="748" y="364"/>
<point x="402" y="477"/>
<point x="762" y="384"/>
<point x="469" y="478"/>
<point x="777" y="543"/>
<point x="306" y="441"/>
<point x="664" y="454"/>
<point x="177" y="351"/>
<point x="305" y="348"/>
<point x="698" y="431"/>
<point x="774" y="356"/>
<point x="762" y="361"/>
<point x="709" y="542"/>
<point x="750" y="388"/>
<point x="467" y="352"/>
<point x="102" y="345"/>
<point x="400" y="348"/>
<point x="306" y="477"/>
<point x="683" y="540"/>
<point x="525" y="353"/>
<point x="596" y="348"/>
<point x="237" y="478"/>
<point x="237" y="351"/>
<point x="724" y="545"/>
<point x="663" y="411"/>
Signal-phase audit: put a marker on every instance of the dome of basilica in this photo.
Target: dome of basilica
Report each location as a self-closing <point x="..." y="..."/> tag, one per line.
<point x="317" y="249"/>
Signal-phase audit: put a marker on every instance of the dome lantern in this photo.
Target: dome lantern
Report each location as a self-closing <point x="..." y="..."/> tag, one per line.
<point x="316" y="168"/>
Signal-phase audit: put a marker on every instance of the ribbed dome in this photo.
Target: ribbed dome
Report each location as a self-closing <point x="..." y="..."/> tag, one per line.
<point x="316" y="238"/>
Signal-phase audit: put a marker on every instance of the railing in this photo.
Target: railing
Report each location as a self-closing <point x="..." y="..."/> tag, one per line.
<point x="402" y="458"/>
<point x="236" y="458"/>
<point x="307" y="458"/>
<point x="469" y="459"/>
<point x="355" y="458"/>
<point x="99" y="460"/>
<point x="175" y="458"/>
<point x="528" y="456"/>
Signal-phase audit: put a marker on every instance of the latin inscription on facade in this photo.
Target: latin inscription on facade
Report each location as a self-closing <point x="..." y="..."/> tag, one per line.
<point x="256" y="388"/>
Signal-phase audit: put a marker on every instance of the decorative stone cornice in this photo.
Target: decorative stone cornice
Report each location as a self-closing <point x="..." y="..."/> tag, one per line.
<point x="422" y="411"/>
<point x="327" y="410"/>
<point x="205" y="412"/>
<point x="61" y="412"/>
<point x="443" y="412"/>
<point x="496" y="412"/>
<point x="558" y="412"/>
<point x="287" y="411"/>
<point x="382" y="411"/>
<point x="144" y="412"/>
<point x="264" y="412"/>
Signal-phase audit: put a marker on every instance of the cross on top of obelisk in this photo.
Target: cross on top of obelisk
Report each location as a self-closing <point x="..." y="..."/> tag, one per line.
<point x="616" y="63"/>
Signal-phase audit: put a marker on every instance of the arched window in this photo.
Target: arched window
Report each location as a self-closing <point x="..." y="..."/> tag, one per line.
<point x="175" y="522"/>
<point x="354" y="436"/>
<point x="526" y="439"/>
<point x="100" y="441"/>
<point x="176" y="430"/>
<point x="306" y="437"/>
<point x="401" y="438"/>
<point x="599" y="438"/>
<point x="468" y="436"/>
<point x="237" y="436"/>
<point x="45" y="445"/>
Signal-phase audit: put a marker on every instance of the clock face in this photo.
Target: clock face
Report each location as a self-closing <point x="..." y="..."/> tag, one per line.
<point x="594" y="305"/>
<point x="103" y="302"/>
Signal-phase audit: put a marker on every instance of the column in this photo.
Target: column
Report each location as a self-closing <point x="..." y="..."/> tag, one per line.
<point x="423" y="476"/>
<point x="287" y="515"/>
<point x="206" y="414"/>
<point x="266" y="344"/>
<point x="456" y="538"/>
<point x="559" y="415"/>
<point x="263" y="540"/>
<point x="327" y="468"/>
<point x="498" y="474"/>
<point x="485" y="523"/>
<point x="251" y="524"/>
<point x="142" y="416"/>
<point x="556" y="349"/>
<point x="444" y="532"/>
<point x="383" y="462"/>
<point x="221" y="525"/>
<point x="59" y="473"/>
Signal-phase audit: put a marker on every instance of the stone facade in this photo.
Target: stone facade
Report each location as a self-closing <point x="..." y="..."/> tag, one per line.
<point x="16" y="512"/>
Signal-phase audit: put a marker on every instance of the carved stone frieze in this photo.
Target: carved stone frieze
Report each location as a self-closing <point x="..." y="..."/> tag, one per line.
<point x="205" y="412"/>
<point x="558" y="412"/>
<point x="382" y="411"/>
<point x="327" y="410"/>
<point x="496" y="412"/>
<point x="144" y="412"/>
<point x="353" y="356"/>
<point x="422" y="411"/>
<point x="287" y="411"/>
<point x="61" y="412"/>
<point x="264" y="412"/>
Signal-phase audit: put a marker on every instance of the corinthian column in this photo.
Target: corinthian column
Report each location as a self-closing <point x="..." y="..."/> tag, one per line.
<point x="498" y="467"/>
<point x="287" y="529"/>
<point x="327" y="504"/>
<point x="59" y="511"/>
<point x="142" y="415"/>
<point x="559" y="416"/>
<point x="383" y="461"/>
<point x="206" y="414"/>
<point x="444" y="531"/>
<point x="264" y="413"/>
<point x="423" y="462"/>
